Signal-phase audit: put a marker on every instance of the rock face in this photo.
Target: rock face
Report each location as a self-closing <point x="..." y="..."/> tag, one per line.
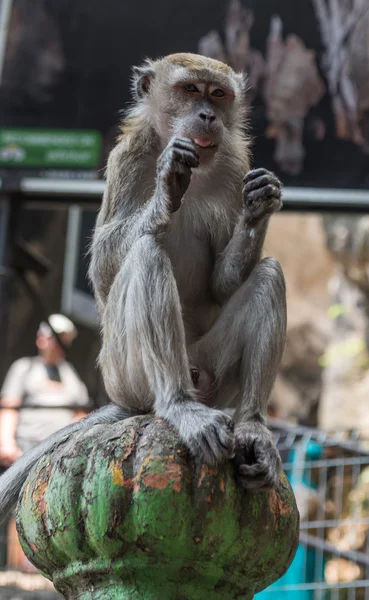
<point x="298" y="241"/>
<point x="344" y="399"/>
<point x="123" y="512"/>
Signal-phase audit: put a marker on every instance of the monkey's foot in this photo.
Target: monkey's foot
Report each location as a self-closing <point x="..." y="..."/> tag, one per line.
<point x="208" y="433"/>
<point x="261" y="194"/>
<point x="257" y="459"/>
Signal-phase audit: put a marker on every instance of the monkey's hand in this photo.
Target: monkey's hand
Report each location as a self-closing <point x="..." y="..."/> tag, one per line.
<point x="257" y="459"/>
<point x="261" y="194"/>
<point x="174" y="170"/>
<point x="208" y="433"/>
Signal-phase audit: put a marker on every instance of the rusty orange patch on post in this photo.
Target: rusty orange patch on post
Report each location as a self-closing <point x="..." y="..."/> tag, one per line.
<point x="117" y="471"/>
<point x="160" y="481"/>
<point x="116" y="467"/>
<point x="39" y="491"/>
<point x="26" y="493"/>
<point x="130" y="446"/>
<point x="177" y="486"/>
<point x="278" y="506"/>
<point x="206" y="470"/>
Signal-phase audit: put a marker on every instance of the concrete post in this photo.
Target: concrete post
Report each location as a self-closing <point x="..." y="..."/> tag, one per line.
<point x="122" y="512"/>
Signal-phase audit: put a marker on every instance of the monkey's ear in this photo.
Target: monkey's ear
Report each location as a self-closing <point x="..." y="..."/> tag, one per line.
<point x="142" y="78"/>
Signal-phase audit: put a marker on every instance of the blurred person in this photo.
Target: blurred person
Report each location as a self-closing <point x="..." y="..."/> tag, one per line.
<point x="51" y="395"/>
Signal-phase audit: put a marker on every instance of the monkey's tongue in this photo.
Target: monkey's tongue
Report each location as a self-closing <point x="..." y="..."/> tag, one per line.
<point x="202" y="143"/>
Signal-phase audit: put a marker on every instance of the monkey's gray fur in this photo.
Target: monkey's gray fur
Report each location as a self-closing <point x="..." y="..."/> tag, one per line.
<point x="192" y="319"/>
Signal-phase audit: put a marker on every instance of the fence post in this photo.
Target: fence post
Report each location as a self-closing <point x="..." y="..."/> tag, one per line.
<point x="122" y="512"/>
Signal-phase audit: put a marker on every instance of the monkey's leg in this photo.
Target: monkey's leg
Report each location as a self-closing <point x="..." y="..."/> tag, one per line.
<point x="144" y="356"/>
<point x="243" y="350"/>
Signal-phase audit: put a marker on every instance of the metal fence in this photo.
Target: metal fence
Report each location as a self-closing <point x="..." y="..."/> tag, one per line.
<point x="330" y="477"/>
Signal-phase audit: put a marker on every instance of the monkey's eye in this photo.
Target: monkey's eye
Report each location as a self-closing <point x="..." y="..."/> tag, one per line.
<point x="190" y="88"/>
<point x="218" y="93"/>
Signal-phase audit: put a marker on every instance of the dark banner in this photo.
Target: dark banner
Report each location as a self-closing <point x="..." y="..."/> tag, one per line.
<point x="66" y="69"/>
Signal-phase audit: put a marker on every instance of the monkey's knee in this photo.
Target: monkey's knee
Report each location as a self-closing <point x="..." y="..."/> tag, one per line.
<point x="272" y="268"/>
<point x="270" y="275"/>
<point x="270" y="308"/>
<point x="152" y="265"/>
<point x="148" y="249"/>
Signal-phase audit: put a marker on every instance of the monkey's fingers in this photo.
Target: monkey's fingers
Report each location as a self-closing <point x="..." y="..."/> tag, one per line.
<point x="256" y="173"/>
<point x="185" y="144"/>
<point x="261" y="182"/>
<point x="184" y="156"/>
<point x="262" y="202"/>
<point x="262" y="194"/>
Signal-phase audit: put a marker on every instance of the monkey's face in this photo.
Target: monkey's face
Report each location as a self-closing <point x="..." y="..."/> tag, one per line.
<point x="195" y="97"/>
<point x="198" y="109"/>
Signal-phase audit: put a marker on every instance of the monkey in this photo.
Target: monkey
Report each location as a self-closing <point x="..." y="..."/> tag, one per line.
<point x="193" y="319"/>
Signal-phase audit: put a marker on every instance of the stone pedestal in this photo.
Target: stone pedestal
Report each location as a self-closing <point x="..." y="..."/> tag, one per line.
<point x="122" y="512"/>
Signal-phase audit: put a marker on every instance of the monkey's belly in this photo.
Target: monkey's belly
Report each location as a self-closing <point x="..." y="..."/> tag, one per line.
<point x="198" y="320"/>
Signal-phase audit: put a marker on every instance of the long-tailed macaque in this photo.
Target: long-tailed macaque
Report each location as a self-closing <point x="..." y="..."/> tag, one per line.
<point x="192" y="319"/>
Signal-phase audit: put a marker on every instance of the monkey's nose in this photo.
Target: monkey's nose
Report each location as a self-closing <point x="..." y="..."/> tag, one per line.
<point x="207" y="116"/>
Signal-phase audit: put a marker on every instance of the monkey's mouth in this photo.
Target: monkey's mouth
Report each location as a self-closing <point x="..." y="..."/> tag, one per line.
<point x="204" y="143"/>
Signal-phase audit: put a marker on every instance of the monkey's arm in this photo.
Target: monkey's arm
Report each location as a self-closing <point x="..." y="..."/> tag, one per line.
<point x="139" y="199"/>
<point x="239" y="258"/>
<point x="261" y="197"/>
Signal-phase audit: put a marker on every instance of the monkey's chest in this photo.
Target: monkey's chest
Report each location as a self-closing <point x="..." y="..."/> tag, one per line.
<point x="192" y="267"/>
<point x="192" y="270"/>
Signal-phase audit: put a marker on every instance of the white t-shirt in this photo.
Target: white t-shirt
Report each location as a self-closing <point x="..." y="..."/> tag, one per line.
<point x="27" y="380"/>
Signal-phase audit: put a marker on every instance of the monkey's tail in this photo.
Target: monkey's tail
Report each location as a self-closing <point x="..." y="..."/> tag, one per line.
<point x="12" y="480"/>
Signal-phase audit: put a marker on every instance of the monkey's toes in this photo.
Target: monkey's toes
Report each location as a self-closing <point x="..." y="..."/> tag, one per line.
<point x="257" y="477"/>
<point x="257" y="463"/>
<point x="214" y="446"/>
<point x="214" y="440"/>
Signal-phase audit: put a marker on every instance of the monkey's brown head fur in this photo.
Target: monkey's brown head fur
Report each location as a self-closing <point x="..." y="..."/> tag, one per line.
<point x="190" y="95"/>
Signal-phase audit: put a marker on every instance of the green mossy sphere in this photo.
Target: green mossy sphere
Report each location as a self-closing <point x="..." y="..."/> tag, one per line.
<point x="123" y="512"/>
